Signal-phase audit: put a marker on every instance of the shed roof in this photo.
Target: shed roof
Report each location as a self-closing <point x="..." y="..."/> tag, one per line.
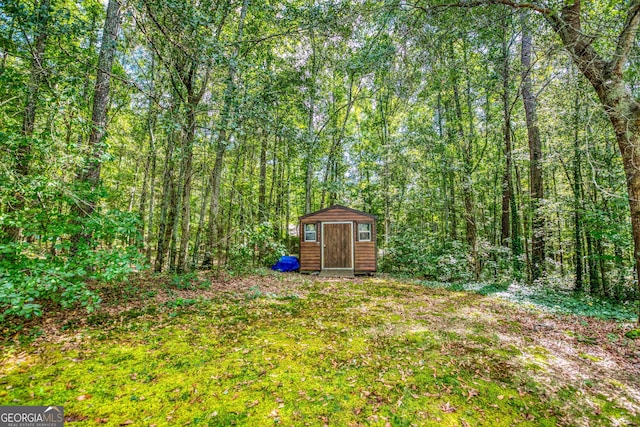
<point x="337" y="207"/>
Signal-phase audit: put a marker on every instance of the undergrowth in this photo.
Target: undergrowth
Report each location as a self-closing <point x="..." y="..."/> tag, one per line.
<point x="552" y="299"/>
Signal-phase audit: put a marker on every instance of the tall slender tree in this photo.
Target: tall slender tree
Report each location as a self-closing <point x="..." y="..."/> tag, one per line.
<point x="89" y="176"/>
<point x="37" y="74"/>
<point x="224" y="134"/>
<point x="536" y="188"/>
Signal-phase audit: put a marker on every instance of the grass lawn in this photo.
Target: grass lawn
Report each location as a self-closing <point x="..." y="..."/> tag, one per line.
<point x="285" y="349"/>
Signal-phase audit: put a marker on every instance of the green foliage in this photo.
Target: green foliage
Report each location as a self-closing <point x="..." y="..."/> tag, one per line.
<point x="30" y="277"/>
<point x="417" y="253"/>
<point x="633" y="334"/>
<point x="414" y="252"/>
<point x="188" y="281"/>
<point x="258" y="247"/>
<point x="180" y="303"/>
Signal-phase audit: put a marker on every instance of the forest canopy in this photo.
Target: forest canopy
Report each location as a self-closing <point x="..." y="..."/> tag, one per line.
<point x="494" y="140"/>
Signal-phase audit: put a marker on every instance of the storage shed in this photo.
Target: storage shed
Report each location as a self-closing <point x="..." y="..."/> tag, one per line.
<point x="338" y="240"/>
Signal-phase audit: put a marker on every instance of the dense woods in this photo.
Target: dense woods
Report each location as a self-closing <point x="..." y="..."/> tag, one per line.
<point x="495" y="140"/>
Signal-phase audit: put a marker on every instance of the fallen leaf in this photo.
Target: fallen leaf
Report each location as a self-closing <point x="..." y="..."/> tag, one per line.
<point x="500" y="397"/>
<point x="448" y="408"/>
<point x="84" y="397"/>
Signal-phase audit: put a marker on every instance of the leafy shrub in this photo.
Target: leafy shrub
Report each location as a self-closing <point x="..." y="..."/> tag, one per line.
<point x="46" y="270"/>
<point x="633" y="334"/>
<point x="417" y="252"/>
<point x="258" y="246"/>
<point x="414" y="252"/>
<point x="188" y="281"/>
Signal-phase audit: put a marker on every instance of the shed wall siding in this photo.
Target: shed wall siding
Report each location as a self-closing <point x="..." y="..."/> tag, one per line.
<point x="310" y="256"/>
<point x="365" y="256"/>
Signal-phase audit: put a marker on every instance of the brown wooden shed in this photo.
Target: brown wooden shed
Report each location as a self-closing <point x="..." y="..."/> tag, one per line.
<point x="338" y="240"/>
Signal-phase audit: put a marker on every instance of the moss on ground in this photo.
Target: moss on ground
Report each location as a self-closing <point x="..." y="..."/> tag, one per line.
<point x="348" y="352"/>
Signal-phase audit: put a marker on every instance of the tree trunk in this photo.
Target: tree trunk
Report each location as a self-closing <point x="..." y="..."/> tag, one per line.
<point x="187" y="162"/>
<point x="536" y="188"/>
<point x="559" y="252"/>
<point x="604" y="282"/>
<point x="152" y="188"/>
<point x="507" y="186"/>
<point x="202" y="215"/>
<point x="466" y="143"/>
<point x="467" y="187"/>
<point x="168" y="190"/>
<point x="226" y="116"/>
<point x="193" y="99"/>
<point x="166" y="219"/>
<point x="36" y="77"/>
<point x="383" y="106"/>
<point x="236" y="172"/>
<point x="274" y="198"/>
<point x="517" y="230"/>
<point x="453" y="209"/>
<point x="214" y="207"/>
<point x="262" y="185"/>
<point x="89" y="177"/>
<point x="149" y="167"/>
<point x="83" y="103"/>
<point x="444" y="174"/>
<point x="577" y="201"/>
<point x="594" y="277"/>
<point x="311" y="138"/>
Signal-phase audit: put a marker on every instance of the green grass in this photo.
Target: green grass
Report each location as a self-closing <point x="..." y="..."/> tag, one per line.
<point x="360" y="352"/>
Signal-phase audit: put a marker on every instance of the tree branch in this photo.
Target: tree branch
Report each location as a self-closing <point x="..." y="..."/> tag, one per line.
<point x="476" y="3"/>
<point x="626" y="39"/>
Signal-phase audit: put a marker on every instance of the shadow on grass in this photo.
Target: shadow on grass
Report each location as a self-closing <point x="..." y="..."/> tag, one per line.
<point x="550" y="299"/>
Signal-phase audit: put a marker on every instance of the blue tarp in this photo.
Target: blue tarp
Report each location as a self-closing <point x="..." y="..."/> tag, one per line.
<point x="286" y="263"/>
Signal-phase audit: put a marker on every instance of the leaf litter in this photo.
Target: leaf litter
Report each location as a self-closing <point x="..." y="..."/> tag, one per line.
<point x="300" y="350"/>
